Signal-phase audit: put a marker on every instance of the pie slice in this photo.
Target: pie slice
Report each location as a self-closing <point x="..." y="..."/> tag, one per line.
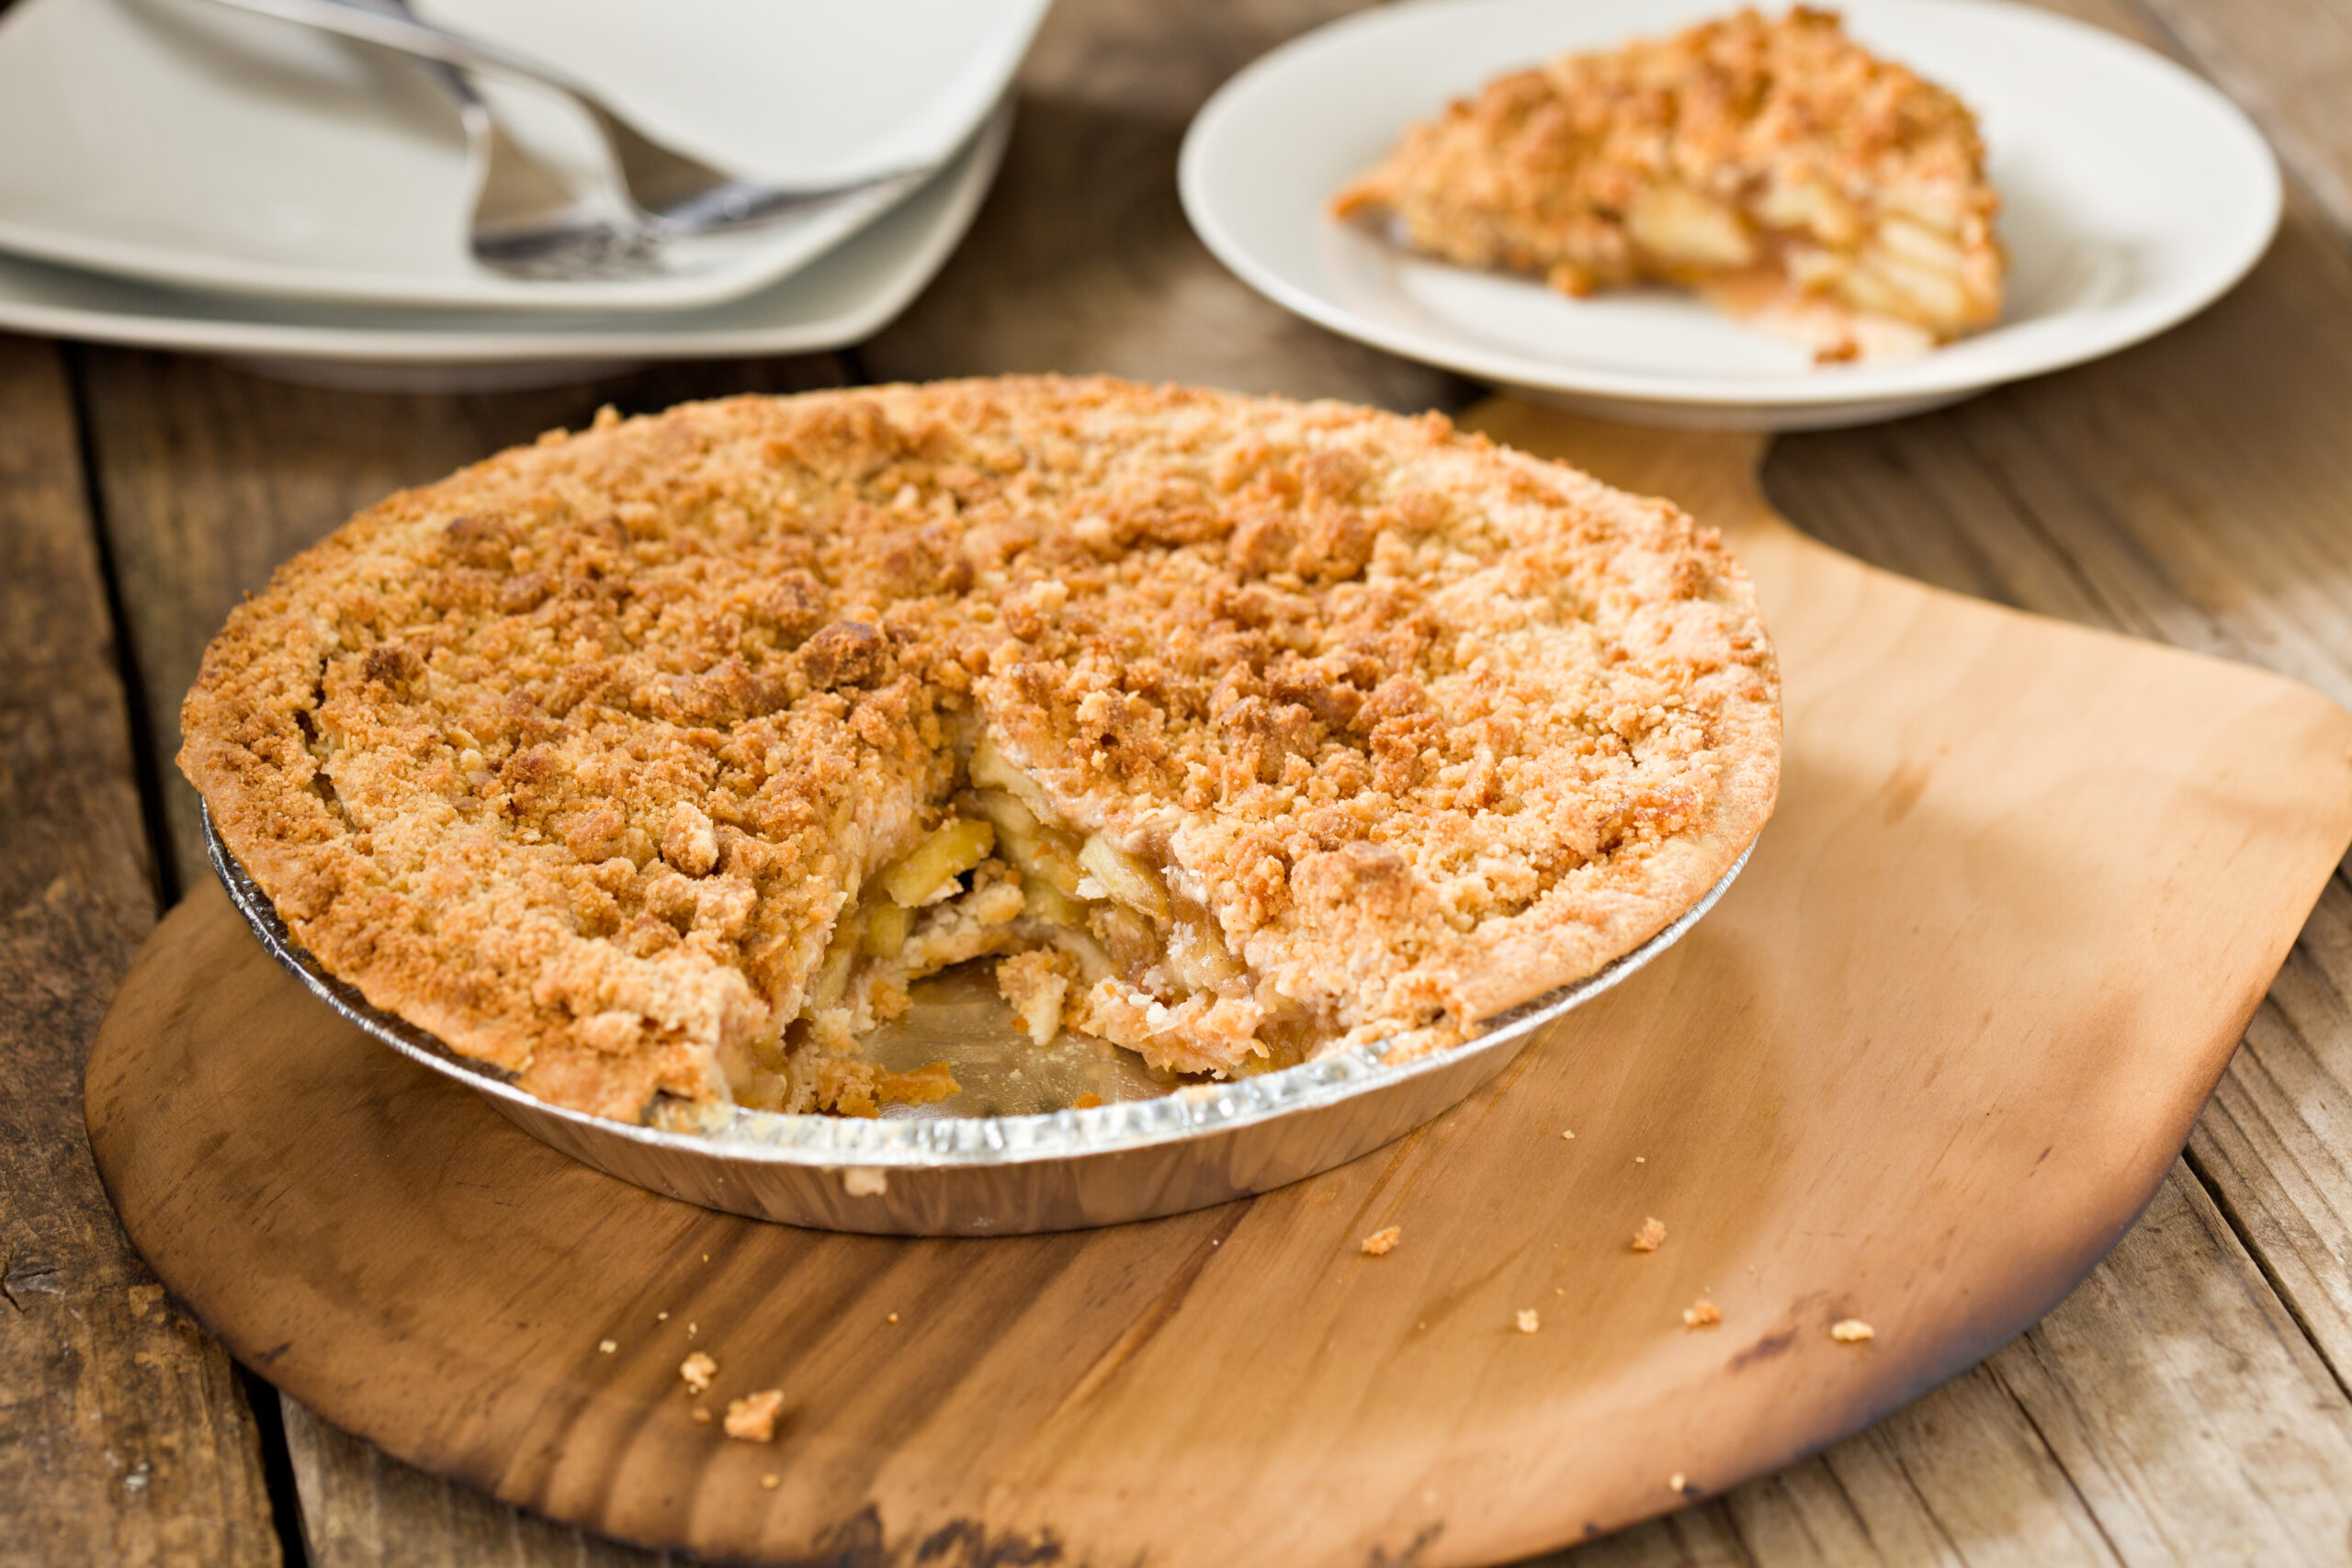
<point x="1776" y="166"/>
<point x="651" y="765"/>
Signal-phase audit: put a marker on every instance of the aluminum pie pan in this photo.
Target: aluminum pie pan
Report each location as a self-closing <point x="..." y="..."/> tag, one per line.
<point x="975" y="1175"/>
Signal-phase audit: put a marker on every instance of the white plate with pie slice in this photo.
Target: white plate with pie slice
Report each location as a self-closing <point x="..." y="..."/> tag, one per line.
<point x="843" y="296"/>
<point x="183" y="144"/>
<point x="2133" y="194"/>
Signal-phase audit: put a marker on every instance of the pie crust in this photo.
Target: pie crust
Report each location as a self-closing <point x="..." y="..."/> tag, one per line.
<point x="1775" y="165"/>
<point x="648" y="765"/>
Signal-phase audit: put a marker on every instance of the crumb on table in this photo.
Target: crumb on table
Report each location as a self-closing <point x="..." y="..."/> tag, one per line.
<point x="696" y="1370"/>
<point x="702" y="1416"/>
<point x="1701" y="1314"/>
<point x="753" y="1417"/>
<point x="1528" y="1322"/>
<point x="1851" y="1331"/>
<point x="1379" y="1243"/>
<point x="770" y="1482"/>
<point x="606" y="1347"/>
<point x="1651" y="1236"/>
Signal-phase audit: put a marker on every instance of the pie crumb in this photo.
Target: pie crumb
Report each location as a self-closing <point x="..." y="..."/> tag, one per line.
<point x="606" y="1347"/>
<point x="753" y="1417"/>
<point x="769" y="1483"/>
<point x="1528" y="1322"/>
<point x="1380" y="1242"/>
<point x="1851" y="1331"/>
<point x="894" y="1318"/>
<point x="1701" y="1314"/>
<point x="1675" y="1482"/>
<point x="697" y="1370"/>
<point x="660" y="1317"/>
<point x="702" y="1416"/>
<point x="1651" y="1236"/>
<point x="1566" y="1134"/>
<point x="1087" y="1101"/>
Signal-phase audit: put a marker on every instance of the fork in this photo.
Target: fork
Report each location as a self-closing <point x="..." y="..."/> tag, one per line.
<point x="661" y="194"/>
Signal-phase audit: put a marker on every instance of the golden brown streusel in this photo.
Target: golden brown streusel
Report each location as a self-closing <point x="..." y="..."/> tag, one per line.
<point x="598" y="759"/>
<point x="753" y="1417"/>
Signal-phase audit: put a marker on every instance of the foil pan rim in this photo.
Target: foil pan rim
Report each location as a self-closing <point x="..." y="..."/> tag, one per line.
<point x="827" y="1142"/>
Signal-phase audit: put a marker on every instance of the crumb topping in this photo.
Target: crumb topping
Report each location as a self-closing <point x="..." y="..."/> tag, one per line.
<point x="604" y="758"/>
<point x="1382" y="1242"/>
<point x="752" y="1419"/>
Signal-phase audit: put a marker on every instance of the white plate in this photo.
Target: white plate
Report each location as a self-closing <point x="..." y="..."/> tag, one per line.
<point x="844" y="296"/>
<point x="184" y="143"/>
<point x="2132" y="194"/>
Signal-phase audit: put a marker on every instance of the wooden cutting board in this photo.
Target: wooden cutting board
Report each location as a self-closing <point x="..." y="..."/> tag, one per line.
<point x="1920" y="1069"/>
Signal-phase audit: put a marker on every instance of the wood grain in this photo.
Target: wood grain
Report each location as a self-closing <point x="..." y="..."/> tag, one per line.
<point x="1082" y="260"/>
<point x="126" y="1437"/>
<point x="1945" y="758"/>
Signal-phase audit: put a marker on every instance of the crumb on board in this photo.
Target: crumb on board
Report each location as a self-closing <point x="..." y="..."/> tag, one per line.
<point x="1639" y="1159"/>
<point x="1851" y="1331"/>
<point x="606" y="1347"/>
<point x="1677" y="1482"/>
<point x="1701" y="1314"/>
<point x="1651" y="1236"/>
<point x="753" y="1417"/>
<point x="1380" y="1242"/>
<point x="702" y="1416"/>
<point x="660" y="1317"/>
<point x="1528" y="1322"/>
<point x="1566" y="1134"/>
<point x="770" y="1482"/>
<point x="696" y="1370"/>
<point x="894" y="1318"/>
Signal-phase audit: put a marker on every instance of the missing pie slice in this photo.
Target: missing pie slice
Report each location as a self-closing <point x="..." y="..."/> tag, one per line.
<point x="1774" y="165"/>
<point x="651" y="765"/>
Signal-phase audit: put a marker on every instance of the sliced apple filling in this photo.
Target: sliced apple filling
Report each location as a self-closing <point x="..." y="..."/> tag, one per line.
<point x="1088" y="937"/>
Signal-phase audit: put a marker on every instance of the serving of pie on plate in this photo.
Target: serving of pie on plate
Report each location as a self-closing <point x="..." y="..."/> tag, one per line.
<point x="650" y="765"/>
<point x="1775" y="165"/>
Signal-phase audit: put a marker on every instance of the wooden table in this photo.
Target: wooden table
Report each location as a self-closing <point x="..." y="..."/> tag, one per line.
<point x="2190" y="1402"/>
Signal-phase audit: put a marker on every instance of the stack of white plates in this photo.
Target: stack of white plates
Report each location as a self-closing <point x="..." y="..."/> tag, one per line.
<point x="176" y="174"/>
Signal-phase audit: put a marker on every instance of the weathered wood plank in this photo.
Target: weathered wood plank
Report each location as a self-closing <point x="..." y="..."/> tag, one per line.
<point x="2276" y="1144"/>
<point x="361" y="1509"/>
<point x="2287" y="64"/>
<point x="1082" y="261"/>
<point x="210" y="476"/>
<point x="127" y="1438"/>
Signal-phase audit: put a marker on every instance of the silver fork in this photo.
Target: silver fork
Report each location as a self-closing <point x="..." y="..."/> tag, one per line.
<point x="660" y="193"/>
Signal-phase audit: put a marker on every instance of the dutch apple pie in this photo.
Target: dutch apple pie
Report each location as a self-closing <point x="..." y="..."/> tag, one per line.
<point x="650" y="765"/>
<point x="1774" y="165"/>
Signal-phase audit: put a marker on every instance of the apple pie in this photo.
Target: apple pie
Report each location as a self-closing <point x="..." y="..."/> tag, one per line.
<point x="1775" y="166"/>
<point x="651" y="765"/>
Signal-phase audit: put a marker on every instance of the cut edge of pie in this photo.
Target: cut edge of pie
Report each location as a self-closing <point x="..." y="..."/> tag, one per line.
<point x="1774" y="167"/>
<point x="1194" y="712"/>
